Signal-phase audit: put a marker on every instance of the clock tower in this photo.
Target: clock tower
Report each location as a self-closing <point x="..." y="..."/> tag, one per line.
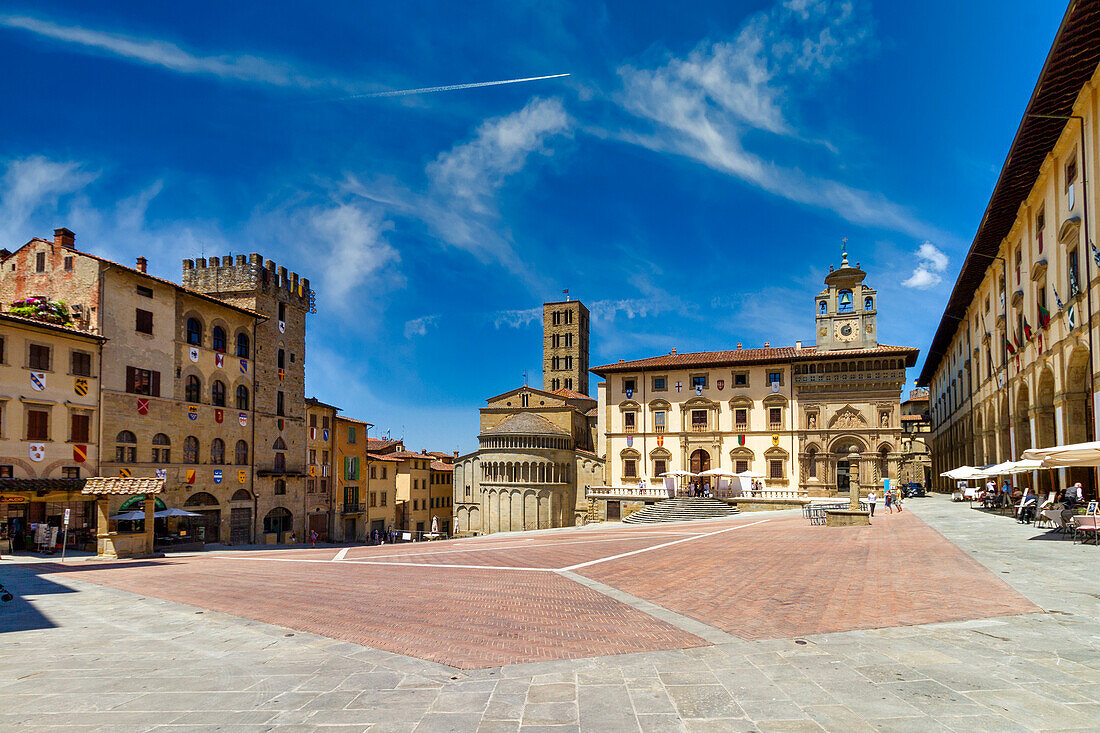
<point x="846" y="310"/>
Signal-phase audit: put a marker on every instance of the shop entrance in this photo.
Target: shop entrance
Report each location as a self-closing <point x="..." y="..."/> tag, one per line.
<point x="318" y="523"/>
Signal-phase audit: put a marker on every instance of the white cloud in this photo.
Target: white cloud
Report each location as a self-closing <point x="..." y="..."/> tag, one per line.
<point x="460" y="203"/>
<point x="419" y="326"/>
<point x="703" y="105"/>
<point x="358" y="253"/>
<point x="922" y="279"/>
<point x="155" y="52"/>
<point x="931" y="261"/>
<point x="34" y="186"/>
<point x="517" y="318"/>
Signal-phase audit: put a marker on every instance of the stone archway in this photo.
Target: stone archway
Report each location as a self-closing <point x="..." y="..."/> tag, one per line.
<point x="1021" y="420"/>
<point x="1046" y="432"/>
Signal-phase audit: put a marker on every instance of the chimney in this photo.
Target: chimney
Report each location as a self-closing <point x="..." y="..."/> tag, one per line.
<point x="672" y="353"/>
<point x="738" y="345"/>
<point x="767" y="345"/>
<point x="798" y="344"/>
<point x="64" y="238"/>
<point x="141" y="264"/>
<point x="456" y="454"/>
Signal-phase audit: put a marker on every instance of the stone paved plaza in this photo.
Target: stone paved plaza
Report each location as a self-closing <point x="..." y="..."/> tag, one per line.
<point x="942" y="618"/>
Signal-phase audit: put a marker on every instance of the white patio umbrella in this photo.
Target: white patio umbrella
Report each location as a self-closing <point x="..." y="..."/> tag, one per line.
<point x="678" y="472"/>
<point x="718" y="472"/>
<point x="749" y="474"/>
<point x="967" y="473"/>
<point x="173" y="513"/>
<point x="1075" y="454"/>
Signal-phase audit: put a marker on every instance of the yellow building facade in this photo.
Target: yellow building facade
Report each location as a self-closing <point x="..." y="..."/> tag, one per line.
<point x="1011" y="365"/>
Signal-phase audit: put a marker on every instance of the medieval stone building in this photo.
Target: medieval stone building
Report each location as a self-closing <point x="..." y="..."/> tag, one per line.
<point x="536" y="453"/>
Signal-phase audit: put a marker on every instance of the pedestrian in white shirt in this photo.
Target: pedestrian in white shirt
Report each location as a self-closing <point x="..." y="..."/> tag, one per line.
<point x="871" y="499"/>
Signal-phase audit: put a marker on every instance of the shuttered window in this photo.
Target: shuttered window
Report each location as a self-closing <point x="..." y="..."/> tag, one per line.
<point x="142" y="381"/>
<point x="38" y="425"/>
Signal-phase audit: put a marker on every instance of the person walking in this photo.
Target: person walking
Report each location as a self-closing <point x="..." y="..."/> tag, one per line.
<point x="897" y="499"/>
<point x="888" y="497"/>
<point x="313" y="538"/>
<point x="871" y="499"/>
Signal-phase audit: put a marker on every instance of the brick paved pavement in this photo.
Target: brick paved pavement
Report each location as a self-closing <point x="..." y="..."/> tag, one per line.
<point x="785" y="578"/>
<point x="78" y="656"/>
<point x="481" y="619"/>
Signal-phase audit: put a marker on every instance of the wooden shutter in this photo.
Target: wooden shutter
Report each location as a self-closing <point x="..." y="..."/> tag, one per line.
<point x="131" y="379"/>
<point x="80" y="429"/>
<point x="154" y="389"/>
<point x="38" y="425"/>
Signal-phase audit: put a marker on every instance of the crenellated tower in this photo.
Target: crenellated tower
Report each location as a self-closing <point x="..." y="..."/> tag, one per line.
<point x="283" y="299"/>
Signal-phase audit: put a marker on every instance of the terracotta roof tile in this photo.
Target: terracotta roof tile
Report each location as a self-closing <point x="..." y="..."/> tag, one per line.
<point x="118" y="485"/>
<point x="750" y="356"/>
<point x="379" y="457"/>
<point x="41" y="484"/>
<point x="571" y="394"/>
<point x="51" y="326"/>
<point x="441" y="466"/>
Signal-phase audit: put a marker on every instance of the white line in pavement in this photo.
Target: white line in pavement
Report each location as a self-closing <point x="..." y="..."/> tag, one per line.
<point x="454" y="565"/>
<point x="492" y="548"/>
<point x="340" y="555"/>
<point x="657" y="547"/>
<point x="376" y="562"/>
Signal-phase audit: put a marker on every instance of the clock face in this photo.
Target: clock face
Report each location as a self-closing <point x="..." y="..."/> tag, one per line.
<point x="846" y="330"/>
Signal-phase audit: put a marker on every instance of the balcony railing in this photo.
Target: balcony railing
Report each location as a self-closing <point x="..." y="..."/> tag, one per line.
<point x="775" y="426"/>
<point x="698" y="427"/>
<point x="741" y="427"/>
<point x="658" y="428"/>
<point x="353" y="508"/>
<point x="628" y="428"/>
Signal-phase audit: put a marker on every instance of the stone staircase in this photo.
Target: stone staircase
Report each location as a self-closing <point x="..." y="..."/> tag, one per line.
<point x="682" y="509"/>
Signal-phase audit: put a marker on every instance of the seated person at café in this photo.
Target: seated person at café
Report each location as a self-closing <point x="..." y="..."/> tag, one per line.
<point x="1028" y="505"/>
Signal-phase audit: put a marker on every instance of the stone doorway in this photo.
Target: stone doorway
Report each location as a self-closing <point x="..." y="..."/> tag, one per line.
<point x="843" y="475"/>
<point x="240" y="525"/>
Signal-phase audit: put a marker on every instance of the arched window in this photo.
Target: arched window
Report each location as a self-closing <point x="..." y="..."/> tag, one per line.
<point x="242" y="345"/>
<point x="821" y="307"/>
<point x="192" y="389"/>
<point x="280" y="463"/>
<point x="242" y="397"/>
<point x="241" y="454"/>
<point x="126" y="447"/>
<point x="217" y="393"/>
<point x="844" y="302"/>
<point x="279" y="444"/>
<point x="282" y="358"/>
<point x="811" y="463"/>
<point x="280" y="486"/>
<point x="868" y="303"/>
<point x="218" y="339"/>
<point x="217" y="451"/>
<point x="190" y="449"/>
<point x="194" y="332"/>
<point x="161" y="452"/>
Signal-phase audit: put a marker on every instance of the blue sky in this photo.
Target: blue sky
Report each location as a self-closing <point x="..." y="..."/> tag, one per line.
<point x="690" y="181"/>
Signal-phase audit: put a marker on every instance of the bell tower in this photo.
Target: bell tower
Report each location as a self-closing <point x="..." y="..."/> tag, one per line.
<point x="846" y="310"/>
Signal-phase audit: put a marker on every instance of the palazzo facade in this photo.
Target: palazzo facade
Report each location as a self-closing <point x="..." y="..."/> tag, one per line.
<point x="1011" y="364"/>
<point x="811" y="419"/>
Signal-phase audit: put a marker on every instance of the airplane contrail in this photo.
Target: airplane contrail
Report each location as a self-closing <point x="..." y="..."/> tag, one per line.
<point x="447" y="88"/>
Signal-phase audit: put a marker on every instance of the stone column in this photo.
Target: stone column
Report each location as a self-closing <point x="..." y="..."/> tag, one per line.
<point x="104" y="548"/>
<point x="853" y="478"/>
<point x="150" y="507"/>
